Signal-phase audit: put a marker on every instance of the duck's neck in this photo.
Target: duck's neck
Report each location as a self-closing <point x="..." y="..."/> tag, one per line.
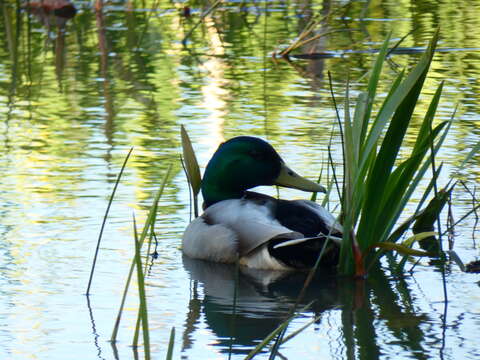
<point x="214" y="192"/>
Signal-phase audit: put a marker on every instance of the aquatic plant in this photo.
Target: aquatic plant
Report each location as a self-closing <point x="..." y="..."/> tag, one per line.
<point x="142" y="311"/>
<point x="136" y="262"/>
<point x="377" y="185"/>
<point x="192" y="169"/>
<point x="117" y="181"/>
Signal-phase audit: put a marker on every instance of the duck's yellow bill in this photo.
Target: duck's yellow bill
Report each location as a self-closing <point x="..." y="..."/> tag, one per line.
<point x="289" y="178"/>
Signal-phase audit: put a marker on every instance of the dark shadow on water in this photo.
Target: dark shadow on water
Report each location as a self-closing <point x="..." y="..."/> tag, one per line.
<point x="372" y="311"/>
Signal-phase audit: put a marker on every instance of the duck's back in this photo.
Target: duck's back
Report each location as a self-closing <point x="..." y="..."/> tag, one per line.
<point x="303" y="216"/>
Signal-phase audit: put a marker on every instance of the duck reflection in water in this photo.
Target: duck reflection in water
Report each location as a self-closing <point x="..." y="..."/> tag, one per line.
<point x="264" y="298"/>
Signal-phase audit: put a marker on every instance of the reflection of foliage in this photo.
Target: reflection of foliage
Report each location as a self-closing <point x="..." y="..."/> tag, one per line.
<point x="385" y="309"/>
<point x="141" y="79"/>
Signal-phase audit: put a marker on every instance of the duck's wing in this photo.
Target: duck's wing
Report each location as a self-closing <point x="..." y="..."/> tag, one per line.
<point x="308" y="218"/>
<point x="252" y="221"/>
<point x="233" y="228"/>
<point x="313" y="222"/>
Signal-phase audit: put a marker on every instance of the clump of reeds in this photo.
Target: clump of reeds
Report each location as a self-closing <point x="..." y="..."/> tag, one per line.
<point x="378" y="185"/>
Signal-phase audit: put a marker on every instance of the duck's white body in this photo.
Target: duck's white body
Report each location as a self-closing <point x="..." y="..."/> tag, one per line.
<point x="243" y="229"/>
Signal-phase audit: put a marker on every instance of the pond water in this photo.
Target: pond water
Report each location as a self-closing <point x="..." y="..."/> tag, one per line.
<point x="76" y="94"/>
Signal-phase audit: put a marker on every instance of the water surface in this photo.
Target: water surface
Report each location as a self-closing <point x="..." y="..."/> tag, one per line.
<point x="75" y="96"/>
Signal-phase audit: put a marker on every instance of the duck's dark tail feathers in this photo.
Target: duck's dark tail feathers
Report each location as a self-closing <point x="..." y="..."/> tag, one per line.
<point x="303" y="253"/>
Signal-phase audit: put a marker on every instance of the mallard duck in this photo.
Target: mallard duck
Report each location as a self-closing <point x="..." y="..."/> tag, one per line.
<point x="260" y="231"/>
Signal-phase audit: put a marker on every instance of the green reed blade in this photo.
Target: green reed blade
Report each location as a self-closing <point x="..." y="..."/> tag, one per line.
<point x="234" y="308"/>
<point x="105" y="220"/>
<point x="139" y="315"/>
<point x="191" y="165"/>
<point x="429" y="188"/>
<point x="399" y="182"/>
<point x="152" y="233"/>
<point x="418" y="237"/>
<point x="402" y="249"/>
<point x="171" y="342"/>
<point x="373" y="84"/>
<point x="359" y="167"/>
<point x="202" y="17"/>
<point x="301" y="329"/>
<point x="267" y="339"/>
<point x="141" y="295"/>
<point x="150" y="217"/>
<point x="274" y="333"/>
<point x="301" y="294"/>
<point x="404" y="173"/>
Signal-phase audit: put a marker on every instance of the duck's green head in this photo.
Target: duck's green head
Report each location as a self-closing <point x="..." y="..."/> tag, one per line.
<point x="244" y="162"/>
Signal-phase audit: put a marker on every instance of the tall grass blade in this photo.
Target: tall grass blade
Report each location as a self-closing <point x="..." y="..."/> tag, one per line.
<point x="373" y="84"/>
<point x="402" y="249"/>
<point x="314" y="194"/>
<point x="142" y="295"/>
<point x="355" y="133"/>
<point x="136" y="335"/>
<point x="429" y="188"/>
<point x="267" y="339"/>
<point x="298" y="331"/>
<point x="152" y="234"/>
<point x="234" y="308"/>
<point x="171" y="342"/>
<point x="191" y="164"/>
<point x="405" y="172"/>
<point x="350" y="152"/>
<point x="105" y="220"/>
<point x="397" y="44"/>
<point x="150" y="218"/>
<point x="346" y="255"/>
<point x="274" y="333"/>
<point x="418" y="237"/>
<point x="364" y="163"/>
<point x="414" y="183"/>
